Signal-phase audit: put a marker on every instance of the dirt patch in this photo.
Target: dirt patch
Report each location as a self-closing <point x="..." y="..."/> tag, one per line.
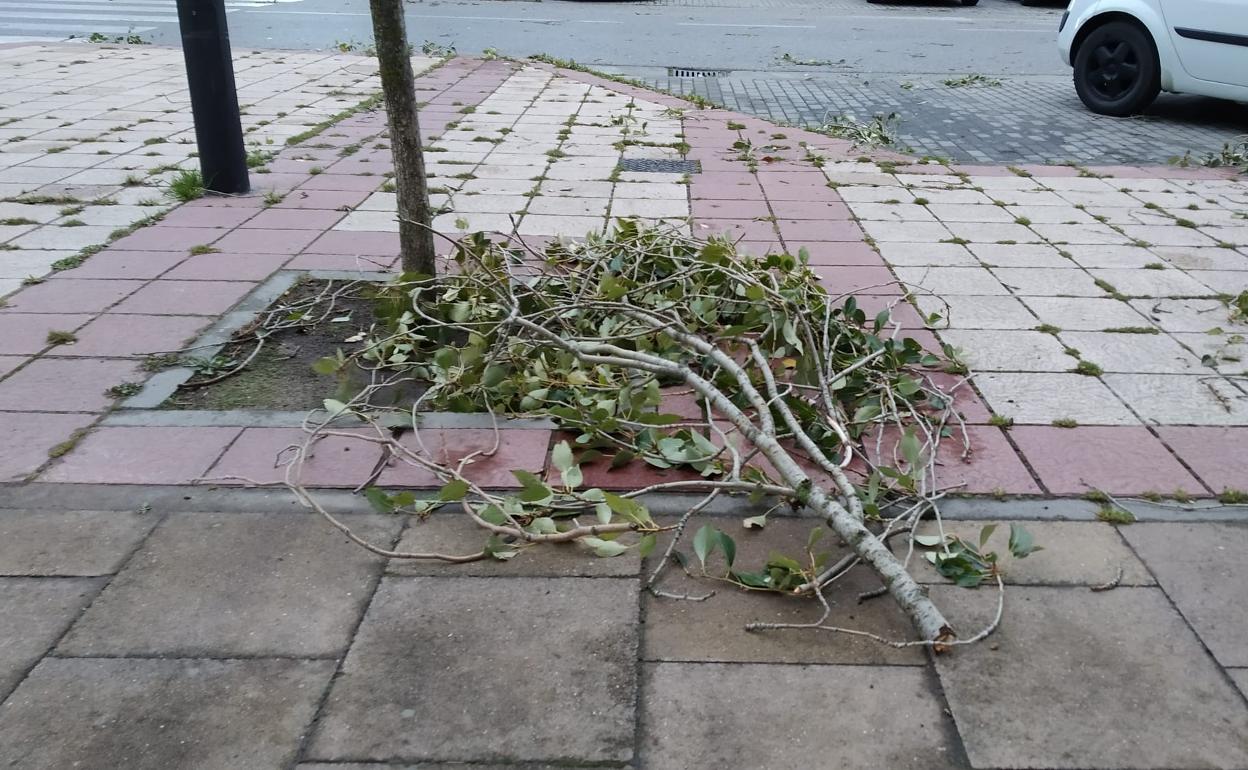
<point x="281" y="376"/>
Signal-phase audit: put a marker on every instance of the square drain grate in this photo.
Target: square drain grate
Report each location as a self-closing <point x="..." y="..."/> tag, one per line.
<point x="661" y="166"/>
<point x="685" y="72"/>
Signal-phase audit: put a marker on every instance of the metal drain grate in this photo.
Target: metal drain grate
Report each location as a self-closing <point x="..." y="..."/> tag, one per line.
<point x="681" y="72"/>
<point x="661" y="166"/>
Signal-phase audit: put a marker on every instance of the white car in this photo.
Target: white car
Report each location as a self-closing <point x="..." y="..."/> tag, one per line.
<point x="1125" y="51"/>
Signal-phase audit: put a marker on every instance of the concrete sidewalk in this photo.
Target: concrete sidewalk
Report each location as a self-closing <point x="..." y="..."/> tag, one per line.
<point x="221" y="628"/>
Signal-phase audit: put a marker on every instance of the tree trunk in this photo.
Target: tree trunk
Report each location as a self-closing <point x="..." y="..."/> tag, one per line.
<point x="399" y="86"/>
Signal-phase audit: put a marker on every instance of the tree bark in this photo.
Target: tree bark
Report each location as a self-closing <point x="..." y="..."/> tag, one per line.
<point x="398" y="83"/>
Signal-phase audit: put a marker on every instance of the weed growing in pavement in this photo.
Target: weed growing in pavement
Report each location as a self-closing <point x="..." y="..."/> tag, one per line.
<point x="973" y="79"/>
<point x="880" y="131"/>
<point x="1065" y="422"/>
<point x="59" y="337"/>
<point x="124" y="390"/>
<point x="187" y="185"/>
<point x="1115" y="514"/>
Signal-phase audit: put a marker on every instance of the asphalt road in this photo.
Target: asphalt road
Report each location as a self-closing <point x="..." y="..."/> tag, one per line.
<point x="797" y="61"/>
<point x="932" y="36"/>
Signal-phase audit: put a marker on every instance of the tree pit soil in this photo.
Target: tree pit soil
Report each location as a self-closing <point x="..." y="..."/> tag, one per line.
<point x="281" y="376"/>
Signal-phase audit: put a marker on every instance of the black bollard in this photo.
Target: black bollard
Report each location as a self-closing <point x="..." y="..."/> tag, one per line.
<point x="214" y="100"/>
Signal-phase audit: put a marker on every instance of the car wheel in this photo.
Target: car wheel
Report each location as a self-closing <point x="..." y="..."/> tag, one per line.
<point x="1116" y="69"/>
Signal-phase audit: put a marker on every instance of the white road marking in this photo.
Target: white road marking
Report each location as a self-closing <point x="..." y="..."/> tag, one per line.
<point x="749" y="26"/>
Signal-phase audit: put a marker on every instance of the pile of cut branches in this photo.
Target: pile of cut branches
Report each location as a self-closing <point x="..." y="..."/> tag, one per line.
<point x="803" y="399"/>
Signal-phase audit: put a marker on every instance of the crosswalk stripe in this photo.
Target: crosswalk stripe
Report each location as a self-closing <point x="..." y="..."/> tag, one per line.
<point x="100" y="17"/>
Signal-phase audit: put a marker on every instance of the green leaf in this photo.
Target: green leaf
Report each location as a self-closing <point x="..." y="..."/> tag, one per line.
<point x="755" y="522"/>
<point x="929" y="541"/>
<point x="729" y="546"/>
<point x="543" y="525"/>
<point x="334" y="407"/>
<point x="453" y="492"/>
<point x="704" y="543"/>
<point x="493" y="375"/>
<point x="379" y="500"/>
<point x="532" y="489"/>
<point x="646" y="545"/>
<point x="326" y="365"/>
<point x="752" y="579"/>
<point x="605" y="548"/>
<point x="651" y="418"/>
<point x="561" y="456"/>
<point x="1022" y="544"/>
<point x="628" y="508"/>
<point x="986" y="533"/>
<point x="814" y="537"/>
<point x="911" y="449"/>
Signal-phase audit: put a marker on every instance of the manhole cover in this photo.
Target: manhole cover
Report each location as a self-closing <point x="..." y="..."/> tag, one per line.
<point x="682" y="72"/>
<point x="661" y="166"/>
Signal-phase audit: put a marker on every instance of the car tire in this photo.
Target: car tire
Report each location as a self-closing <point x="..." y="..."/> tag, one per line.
<point x="1116" y="69"/>
<point x="970" y="2"/>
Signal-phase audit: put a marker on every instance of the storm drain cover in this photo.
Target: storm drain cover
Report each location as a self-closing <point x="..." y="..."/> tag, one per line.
<point x="661" y="166"/>
<point x="683" y="72"/>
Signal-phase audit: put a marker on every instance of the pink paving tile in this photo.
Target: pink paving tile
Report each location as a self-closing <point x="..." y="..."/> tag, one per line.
<point x="780" y="194"/>
<point x="716" y="209"/>
<point x="813" y="178"/>
<point x="295" y="219"/>
<point x="322" y="199"/>
<point x="1217" y="455"/>
<point x="27" y="333"/>
<point x="278" y="182"/>
<point x="1049" y="171"/>
<point x="760" y="248"/>
<point x="310" y="261"/>
<point x="169" y="238"/>
<point x="974" y="170"/>
<point x="992" y="466"/>
<point x="267" y="241"/>
<point x="253" y="200"/>
<point x="26" y="437"/>
<point x="167" y="297"/>
<point x="153" y="455"/>
<point x="819" y="230"/>
<point x="633" y="475"/>
<point x="206" y="216"/>
<point x="356" y="243"/>
<point x="1116" y="459"/>
<point x="518" y="450"/>
<point x="745" y="229"/>
<point x="228" y="267"/>
<point x="260" y="454"/>
<point x="115" y="335"/>
<point x="70" y="295"/>
<point x="10" y="363"/>
<point x="854" y="279"/>
<point x="811" y="209"/>
<point x="127" y="264"/>
<point x="65" y="385"/>
<point x="837" y="252"/>
<point x="343" y="182"/>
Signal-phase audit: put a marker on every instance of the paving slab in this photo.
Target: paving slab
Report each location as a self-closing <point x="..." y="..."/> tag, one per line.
<point x="36" y="612"/>
<point x="26" y="438"/>
<point x="1119" y="459"/>
<point x="216" y="585"/>
<point x="1078" y="679"/>
<point x="161" y="714"/>
<point x="1202" y="569"/>
<point x="1075" y="553"/>
<point x="488" y="670"/>
<point x="69" y="543"/>
<point x="712" y="716"/>
<point x="714" y="630"/>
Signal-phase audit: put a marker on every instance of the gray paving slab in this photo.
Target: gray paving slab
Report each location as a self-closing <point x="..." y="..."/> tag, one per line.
<point x="101" y="714"/>
<point x="713" y="630"/>
<point x="1078" y="679"/>
<point x="212" y="585"/>
<point x="1202" y="568"/>
<point x="66" y="543"/>
<point x="1075" y="553"/>
<point x="455" y="533"/>
<point x="488" y="670"/>
<point x="36" y="612"/>
<point x="1240" y="677"/>
<point x="713" y="716"/>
